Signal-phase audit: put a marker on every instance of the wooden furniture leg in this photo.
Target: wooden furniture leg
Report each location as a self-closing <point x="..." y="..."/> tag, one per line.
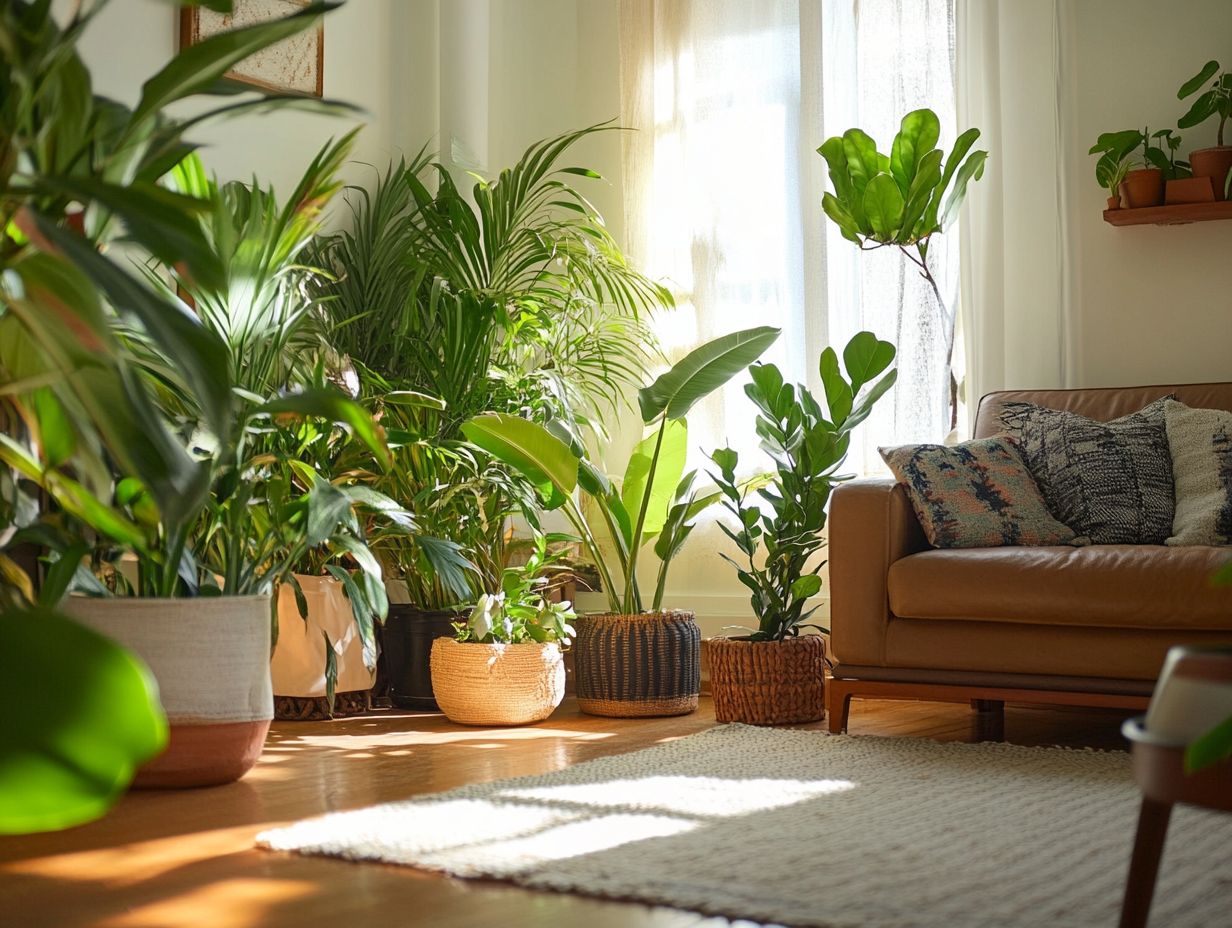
<point x="838" y="705"/>
<point x="988" y="723"/>
<point x="1144" y="866"/>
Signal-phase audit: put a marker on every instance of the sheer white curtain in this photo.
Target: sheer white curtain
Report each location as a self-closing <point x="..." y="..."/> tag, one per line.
<point x="723" y="185"/>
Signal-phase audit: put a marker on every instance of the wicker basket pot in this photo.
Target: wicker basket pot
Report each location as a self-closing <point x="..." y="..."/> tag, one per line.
<point x="497" y="684"/>
<point x="768" y="682"/>
<point x="634" y="666"/>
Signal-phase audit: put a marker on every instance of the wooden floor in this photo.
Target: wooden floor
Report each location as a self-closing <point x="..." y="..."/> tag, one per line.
<point x="170" y="859"/>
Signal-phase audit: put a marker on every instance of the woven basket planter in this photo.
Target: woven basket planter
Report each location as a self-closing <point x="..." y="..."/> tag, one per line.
<point x="768" y="682"/>
<point x="635" y="666"/>
<point x="497" y="684"/>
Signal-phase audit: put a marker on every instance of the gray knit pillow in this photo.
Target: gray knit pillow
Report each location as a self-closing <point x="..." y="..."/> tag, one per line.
<point x="1201" y="443"/>
<point x="1110" y="481"/>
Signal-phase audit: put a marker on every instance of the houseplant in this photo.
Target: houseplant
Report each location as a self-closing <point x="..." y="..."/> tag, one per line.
<point x="655" y="504"/>
<point x="1142" y="186"/>
<point x="513" y="300"/>
<point x="74" y="168"/>
<point x="903" y="199"/>
<point x="774" y="675"/>
<point x="1216" y="100"/>
<point x="504" y="665"/>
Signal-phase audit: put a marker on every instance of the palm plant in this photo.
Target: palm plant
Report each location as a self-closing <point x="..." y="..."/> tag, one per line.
<point x="516" y="301"/>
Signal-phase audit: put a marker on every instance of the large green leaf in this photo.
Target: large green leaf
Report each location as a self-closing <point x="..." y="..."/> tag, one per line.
<point x="862" y="161"/>
<point x="917" y="136"/>
<point x="1200" y="111"/>
<point x="865" y="357"/>
<point x="701" y="371"/>
<point x="839" y="395"/>
<point x="1198" y="80"/>
<point x="98" y="719"/>
<point x="334" y="406"/>
<point x="883" y="204"/>
<point x="667" y="460"/>
<point x="972" y="169"/>
<point x="198" y="67"/>
<point x="528" y="448"/>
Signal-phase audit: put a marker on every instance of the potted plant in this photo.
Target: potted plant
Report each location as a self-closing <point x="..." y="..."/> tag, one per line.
<point x="774" y="675"/>
<point x="1216" y="100"/>
<point x="902" y="199"/>
<point x="74" y="167"/>
<point x="654" y="505"/>
<point x="505" y="663"/>
<point x="1143" y="186"/>
<point x="514" y="299"/>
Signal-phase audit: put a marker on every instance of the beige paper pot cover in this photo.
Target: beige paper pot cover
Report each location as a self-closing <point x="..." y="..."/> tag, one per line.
<point x="210" y="657"/>
<point x="298" y="664"/>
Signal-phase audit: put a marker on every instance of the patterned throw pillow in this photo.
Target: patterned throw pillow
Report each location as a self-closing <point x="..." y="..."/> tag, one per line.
<point x="1110" y="481"/>
<point x="1201" y="443"/>
<point x="975" y="495"/>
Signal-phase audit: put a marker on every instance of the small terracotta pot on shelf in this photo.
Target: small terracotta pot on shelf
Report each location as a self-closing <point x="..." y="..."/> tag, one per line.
<point x="1214" y="163"/>
<point x="1114" y="202"/>
<point x="1189" y="190"/>
<point x="1143" y="188"/>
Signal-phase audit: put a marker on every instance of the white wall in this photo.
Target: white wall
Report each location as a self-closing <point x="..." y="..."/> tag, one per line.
<point x="1149" y="304"/>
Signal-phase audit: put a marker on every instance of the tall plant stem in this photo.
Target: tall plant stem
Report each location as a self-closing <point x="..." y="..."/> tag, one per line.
<point x="578" y="521"/>
<point x="633" y="597"/>
<point x="948" y="320"/>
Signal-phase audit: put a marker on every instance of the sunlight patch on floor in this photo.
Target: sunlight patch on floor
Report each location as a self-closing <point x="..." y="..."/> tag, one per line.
<point x="236" y="903"/>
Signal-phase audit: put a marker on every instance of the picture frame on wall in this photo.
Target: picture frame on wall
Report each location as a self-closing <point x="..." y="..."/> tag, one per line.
<point x="294" y="65"/>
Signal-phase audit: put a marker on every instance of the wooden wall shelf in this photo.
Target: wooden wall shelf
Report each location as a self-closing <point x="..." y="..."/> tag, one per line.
<point x="1178" y="214"/>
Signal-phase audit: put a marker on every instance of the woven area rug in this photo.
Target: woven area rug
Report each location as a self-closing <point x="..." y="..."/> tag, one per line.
<point x="802" y="828"/>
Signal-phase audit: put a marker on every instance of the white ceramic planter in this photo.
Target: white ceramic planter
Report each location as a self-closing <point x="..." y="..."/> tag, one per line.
<point x="497" y="684"/>
<point x="298" y="665"/>
<point x="210" y="656"/>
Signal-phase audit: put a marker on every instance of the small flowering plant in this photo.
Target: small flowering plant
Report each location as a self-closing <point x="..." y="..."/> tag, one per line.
<point x="522" y="612"/>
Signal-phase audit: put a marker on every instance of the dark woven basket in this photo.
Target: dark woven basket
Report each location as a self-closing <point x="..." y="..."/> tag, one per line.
<point x="634" y="666"/>
<point x="316" y="708"/>
<point x="768" y="682"/>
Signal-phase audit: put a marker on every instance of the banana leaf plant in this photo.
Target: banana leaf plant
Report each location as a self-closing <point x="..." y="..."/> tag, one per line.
<point x="656" y="502"/>
<point x="78" y="171"/>
<point x="780" y="531"/>
<point x="901" y="200"/>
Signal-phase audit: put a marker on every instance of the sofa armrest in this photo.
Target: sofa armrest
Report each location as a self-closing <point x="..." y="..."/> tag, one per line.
<point x="871" y="526"/>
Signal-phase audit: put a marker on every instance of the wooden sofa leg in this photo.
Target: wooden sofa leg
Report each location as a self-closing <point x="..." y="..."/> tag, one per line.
<point x="989" y="721"/>
<point x="838" y="707"/>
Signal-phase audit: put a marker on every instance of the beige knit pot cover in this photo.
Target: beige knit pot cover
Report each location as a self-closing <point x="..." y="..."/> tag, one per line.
<point x="497" y="684"/>
<point x="298" y="665"/>
<point x="209" y="654"/>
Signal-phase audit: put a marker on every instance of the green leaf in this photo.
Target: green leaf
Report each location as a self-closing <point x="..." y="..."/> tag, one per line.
<point x="806" y="586"/>
<point x="667" y="472"/>
<point x="1208" y="71"/>
<point x="98" y="720"/>
<point x="327" y="507"/>
<point x="972" y="169"/>
<point x="917" y="136"/>
<point x="528" y="448"/>
<point x="863" y="163"/>
<point x="962" y="145"/>
<point x="702" y="371"/>
<point x="865" y="357"/>
<point x="197" y="68"/>
<point x="1200" y="111"/>
<point x="334" y="406"/>
<point x="864" y="405"/>
<point x="1210" y="748"/>
<point x="883" y="203"/>
<point x="839" y="394"/>
<point x="841" y="217"/>
<point x="56" y="435"/>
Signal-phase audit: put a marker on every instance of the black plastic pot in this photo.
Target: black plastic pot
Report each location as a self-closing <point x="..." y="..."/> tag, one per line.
<point x="406" y="643"/>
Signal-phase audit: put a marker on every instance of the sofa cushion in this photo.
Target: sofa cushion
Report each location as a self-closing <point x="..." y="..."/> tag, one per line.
<point x="1109" y="481"/>
<point x="974" y="495"/>
<point x="1112" y="586"/>
<point x="1201" y="443"/>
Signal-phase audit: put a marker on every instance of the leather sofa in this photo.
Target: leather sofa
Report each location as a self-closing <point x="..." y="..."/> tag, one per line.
<point x="1072" y="626"/>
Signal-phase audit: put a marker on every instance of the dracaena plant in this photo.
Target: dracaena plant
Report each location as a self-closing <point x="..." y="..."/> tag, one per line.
<point x="1216" y="100"/>
<point x="656" y="502"/>
<point x="901" y="200"/>
<point x="522" y="612"/>
<point x="778" y="528"/>
<point x="76" y="171"/>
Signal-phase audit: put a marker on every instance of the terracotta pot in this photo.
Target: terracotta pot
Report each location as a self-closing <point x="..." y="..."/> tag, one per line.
<point x="1114" y="202"/>
<point x="497" y="684"/>
<point x="210" y="656"/>
<point x="406" y="645"/>
<point x="768" y="682"/>
<point x="637" y="666"/>
<point x="1143" y="188"/>
<point x="298" y="664"/>
<point x="1214" y="163"/>
<point x="1189" y="190"/>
